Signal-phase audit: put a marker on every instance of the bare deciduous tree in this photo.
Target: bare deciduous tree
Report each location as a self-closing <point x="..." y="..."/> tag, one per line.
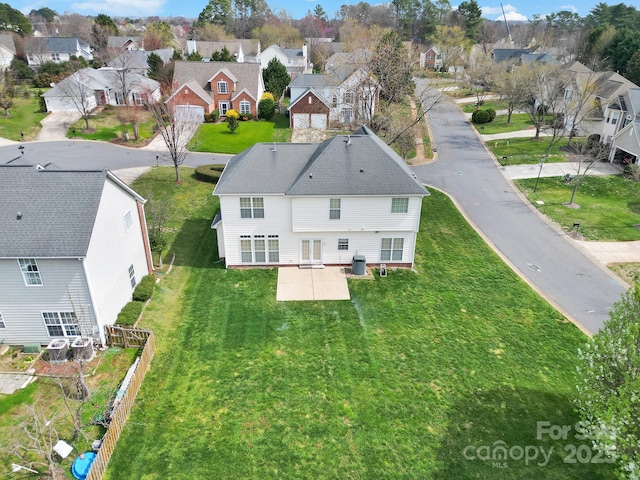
<point x="175" y="126"/>
<point x="77" y="89"/>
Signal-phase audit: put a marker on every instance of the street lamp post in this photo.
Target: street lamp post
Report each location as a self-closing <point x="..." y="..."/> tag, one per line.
<point x="535" y="189"/>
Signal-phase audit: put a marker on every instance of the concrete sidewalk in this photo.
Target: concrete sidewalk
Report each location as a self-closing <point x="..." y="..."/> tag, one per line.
<point x="559" y="169"/>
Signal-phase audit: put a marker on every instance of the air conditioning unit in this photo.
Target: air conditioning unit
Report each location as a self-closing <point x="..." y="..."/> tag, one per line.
<point x="82" y="348"/>
<point x="58" y="349"/>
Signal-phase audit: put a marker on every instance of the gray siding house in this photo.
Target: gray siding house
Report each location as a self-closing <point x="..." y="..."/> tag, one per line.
<point x="73" y="247"/>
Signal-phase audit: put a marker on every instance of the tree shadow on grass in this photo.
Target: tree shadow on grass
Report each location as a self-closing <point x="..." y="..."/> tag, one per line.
<point x="508" y="417"/>
<point x="634" y="207"/>
<point x="196" y="245"/>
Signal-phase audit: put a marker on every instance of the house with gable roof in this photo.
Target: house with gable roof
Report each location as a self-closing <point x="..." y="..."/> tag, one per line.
<point x="295" y="60"/>
<point x="55" y="49"/>
<point x="7" y="50"/>
<point x="318" y="204"/>
<point x="222" y="86"/>
<point x="347" y="93"/>
<point x="73" y="247"/>
<point x="623" y="122"/>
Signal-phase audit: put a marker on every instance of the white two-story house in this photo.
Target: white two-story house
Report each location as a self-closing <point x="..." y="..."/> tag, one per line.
<point x="73" y="247"/>
<point x="55" y="49"/>
<point x="318" y="204"/>
<point x="622" y="127"/>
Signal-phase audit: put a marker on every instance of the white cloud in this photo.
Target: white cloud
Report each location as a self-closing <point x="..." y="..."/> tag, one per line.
<point x="569" y="8"/>
<point x="511" y="12"/>
<point x="121" y="7"/>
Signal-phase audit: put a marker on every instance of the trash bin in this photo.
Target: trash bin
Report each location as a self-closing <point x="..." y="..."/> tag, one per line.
<point x="359" y="265"/>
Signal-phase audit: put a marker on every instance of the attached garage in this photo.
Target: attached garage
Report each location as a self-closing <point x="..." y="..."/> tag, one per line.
<point x="309" y="110"/>
<point x="189" y="111"/>
<point x="301" y="120"/>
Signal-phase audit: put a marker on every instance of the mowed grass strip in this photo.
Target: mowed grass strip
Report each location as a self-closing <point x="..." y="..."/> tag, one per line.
<point x="217" y="138"/>
<point x="392" y="384"/>
<point x="522" y="151"/>
<point x="607" y="207"/>
<point x="24" y="116"/>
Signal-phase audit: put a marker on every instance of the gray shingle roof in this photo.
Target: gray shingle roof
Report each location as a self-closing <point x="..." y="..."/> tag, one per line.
<point x="58" y="211"/>
<point x="248" y="74"/>
<point x="65" y="44"/>
<point x="500" y="54"/>
<point x="7" y="41"/>
<point x="138" y="58"/>
<point x="360" y="164"/>
<point x="99" y="80"/>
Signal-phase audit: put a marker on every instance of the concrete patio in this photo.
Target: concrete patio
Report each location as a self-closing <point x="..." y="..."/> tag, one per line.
<point x="298" y="284"/>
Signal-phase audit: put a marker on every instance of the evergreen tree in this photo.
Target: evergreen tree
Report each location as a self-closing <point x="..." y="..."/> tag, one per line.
<point x="103" y="27"/>
<point x="224" y="55"/>
<point x="13" y="20"/>
<point x="217" y="12"/>
<point x="633" y="68"/>
<point x="275" y="77"/>
<point x="472" y="16"/>
<point x="155" y="64"/>
<point x="391" y="66"/>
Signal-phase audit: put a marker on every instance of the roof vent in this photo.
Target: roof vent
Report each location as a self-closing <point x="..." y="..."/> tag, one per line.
<point x="362" y="170"/>
<point x="19" y="216"/>
<point x="311" y="175"/>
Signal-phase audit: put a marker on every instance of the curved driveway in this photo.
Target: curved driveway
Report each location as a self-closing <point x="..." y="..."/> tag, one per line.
<point x="539" y="253"/>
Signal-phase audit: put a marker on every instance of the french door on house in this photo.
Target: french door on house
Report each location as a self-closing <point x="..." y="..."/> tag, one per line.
<point x="311" y="252"/>
<point x="224" y="106"/>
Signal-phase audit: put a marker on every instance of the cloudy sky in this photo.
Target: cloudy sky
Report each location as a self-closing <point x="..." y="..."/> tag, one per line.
<point x="515" y="10"/>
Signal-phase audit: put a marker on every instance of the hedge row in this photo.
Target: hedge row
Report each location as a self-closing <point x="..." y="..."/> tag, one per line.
<point x="131" y="311"/>
<point x="209" y="173"/>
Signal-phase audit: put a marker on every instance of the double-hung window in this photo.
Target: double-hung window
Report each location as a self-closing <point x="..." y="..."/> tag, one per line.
<point x="30" y="271"/>
<point x="343" y="244"/>
<point x="61" y="324"/>
<point x="259" y="249"/>
<point x="132" y="276"/>
<point x="399" y="205"/>
<point x="251" y="207"/>
<point x="274" y="249"/>
<point x="334" y="209"/>
<point x="223" y="87"/>
<point x="391" y="249"/>
<point x="2" y="324"/>
<point x="245" y="107"/>
<point x="348" y="97"/>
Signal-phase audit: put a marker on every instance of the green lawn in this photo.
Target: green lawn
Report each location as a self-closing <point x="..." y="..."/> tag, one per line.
<point x="24" y="116"/>
<point x="217" y="138"/>
<point x="609" y="205"/>
<point x="495" y="104"/>
<point x="106" y="126"/>
<point x="526" y="150"/>
<point x="395" y="383"/>
<point x="519" y="121"/>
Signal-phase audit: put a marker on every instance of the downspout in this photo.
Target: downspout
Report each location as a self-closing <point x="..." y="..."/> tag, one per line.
<point x="96" y="314"/>
<point x="145" y="237"/>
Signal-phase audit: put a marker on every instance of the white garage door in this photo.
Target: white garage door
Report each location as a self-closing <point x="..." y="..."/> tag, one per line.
<point x="189" y="111"/>
<point x="301" y="120"/>
<point x="318" y="120"/>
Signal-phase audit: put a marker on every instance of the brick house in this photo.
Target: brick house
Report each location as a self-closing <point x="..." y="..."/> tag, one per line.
<point x="222" y="86"/>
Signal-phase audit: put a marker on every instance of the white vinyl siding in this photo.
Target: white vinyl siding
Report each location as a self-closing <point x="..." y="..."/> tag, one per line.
<point x="251" y="207"/>
<point x="334" y="209"/>
<point x="391" y="249"/>
<point x="61" y="324"/>
<point x="30" y="271"/>
<point x="399" y="205"/>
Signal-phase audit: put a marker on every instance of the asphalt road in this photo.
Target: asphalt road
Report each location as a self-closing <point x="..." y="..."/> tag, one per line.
<point x="543" y="256"/>
<point x="465" y="170"/>
<point x="83" y="155"/>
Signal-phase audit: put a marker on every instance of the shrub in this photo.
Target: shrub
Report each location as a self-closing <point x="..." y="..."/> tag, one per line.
<point x="130" y="313"/>
<point x="266" y="108"/>
<point x="492" y="114"/>
<point x="267" y="95"/>
<point x="41" y="101"/>
<point x="480" y="116"/>
<point x="144" y="289"/>
<point x="212" y="117"/>
<point x="246" y="116"/>
<point x="232" y="120"/>
<point x="209" y="173"/>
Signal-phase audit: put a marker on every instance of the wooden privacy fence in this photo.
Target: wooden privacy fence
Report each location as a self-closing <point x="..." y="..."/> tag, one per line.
<point x="121" y="414"/>
<point x="126" y="337"/>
